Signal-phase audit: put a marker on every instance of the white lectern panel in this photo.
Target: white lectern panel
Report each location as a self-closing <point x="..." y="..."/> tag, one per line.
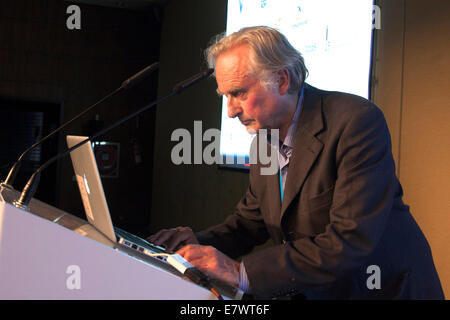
<point x="43" y="260"/>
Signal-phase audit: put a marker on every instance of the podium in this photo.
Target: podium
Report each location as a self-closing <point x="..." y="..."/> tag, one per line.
<point x="46" y="253"/>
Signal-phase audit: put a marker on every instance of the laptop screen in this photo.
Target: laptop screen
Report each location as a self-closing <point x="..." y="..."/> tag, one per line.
<point x="90" y="186"/>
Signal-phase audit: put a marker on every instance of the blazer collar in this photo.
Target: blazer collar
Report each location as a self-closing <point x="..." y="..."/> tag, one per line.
<point x="306" y="146"/>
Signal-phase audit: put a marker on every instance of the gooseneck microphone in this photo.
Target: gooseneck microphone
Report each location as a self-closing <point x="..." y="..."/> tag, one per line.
<point x="31" y="186"/>
<point x="138" y="77"/>
<point x="183" y="85"/>
<point x="127" y="84"/>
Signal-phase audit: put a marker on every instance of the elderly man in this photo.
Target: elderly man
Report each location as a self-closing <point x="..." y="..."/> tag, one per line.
<point x="334" y="209"/>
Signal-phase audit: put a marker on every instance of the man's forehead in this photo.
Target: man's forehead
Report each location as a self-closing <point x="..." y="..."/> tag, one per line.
<point x="232" y="68"/>
<point x="233" y="61"/>
<point x="228" y="84"/>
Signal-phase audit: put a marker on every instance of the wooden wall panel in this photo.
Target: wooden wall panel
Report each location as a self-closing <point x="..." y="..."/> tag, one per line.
<point x="412" y="88"/>
<point x="388" y="68"/>
<point x="425" y="134"/>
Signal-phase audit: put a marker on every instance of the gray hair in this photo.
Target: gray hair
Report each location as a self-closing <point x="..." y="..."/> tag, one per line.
<point x="270" y="51"/>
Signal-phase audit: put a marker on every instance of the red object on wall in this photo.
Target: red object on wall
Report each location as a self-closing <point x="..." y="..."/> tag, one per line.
<point x="107" y="157"/>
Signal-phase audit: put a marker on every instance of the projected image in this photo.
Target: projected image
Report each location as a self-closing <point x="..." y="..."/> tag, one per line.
<point x="334" y="38"/>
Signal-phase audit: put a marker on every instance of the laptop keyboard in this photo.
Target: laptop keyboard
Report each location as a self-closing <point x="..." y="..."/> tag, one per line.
<point x="137" y="243"/>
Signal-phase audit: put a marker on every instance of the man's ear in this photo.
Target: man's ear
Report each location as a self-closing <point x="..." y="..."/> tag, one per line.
<point x="284" y="81"/>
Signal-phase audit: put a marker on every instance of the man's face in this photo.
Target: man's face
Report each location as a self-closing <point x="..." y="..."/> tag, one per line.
<point x="256" y="107"/>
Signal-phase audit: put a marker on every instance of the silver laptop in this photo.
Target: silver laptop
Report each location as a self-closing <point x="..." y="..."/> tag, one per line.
<point x="94" y="200"/>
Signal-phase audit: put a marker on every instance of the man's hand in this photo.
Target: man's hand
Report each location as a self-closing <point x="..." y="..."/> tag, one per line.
<point x="173" y="239"/>
<point x="212" y="262"/>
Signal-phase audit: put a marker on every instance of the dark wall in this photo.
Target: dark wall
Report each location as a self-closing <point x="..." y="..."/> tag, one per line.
<point x="41" y="60"/>
<point x="195" y="195"/>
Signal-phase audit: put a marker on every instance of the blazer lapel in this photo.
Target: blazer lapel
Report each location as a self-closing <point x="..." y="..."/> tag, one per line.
<point x="273" y="183"/>
<point x="306" y="146"/>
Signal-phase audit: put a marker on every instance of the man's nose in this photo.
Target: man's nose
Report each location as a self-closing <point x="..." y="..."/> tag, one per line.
<point x="234" y="109"/>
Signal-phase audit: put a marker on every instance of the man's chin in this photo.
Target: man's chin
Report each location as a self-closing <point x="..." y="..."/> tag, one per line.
<point x="251" y="130"/>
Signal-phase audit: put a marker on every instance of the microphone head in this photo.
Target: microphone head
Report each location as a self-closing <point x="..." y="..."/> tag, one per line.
<point x="138" y="77"/>
<point x="183" y="85"/>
